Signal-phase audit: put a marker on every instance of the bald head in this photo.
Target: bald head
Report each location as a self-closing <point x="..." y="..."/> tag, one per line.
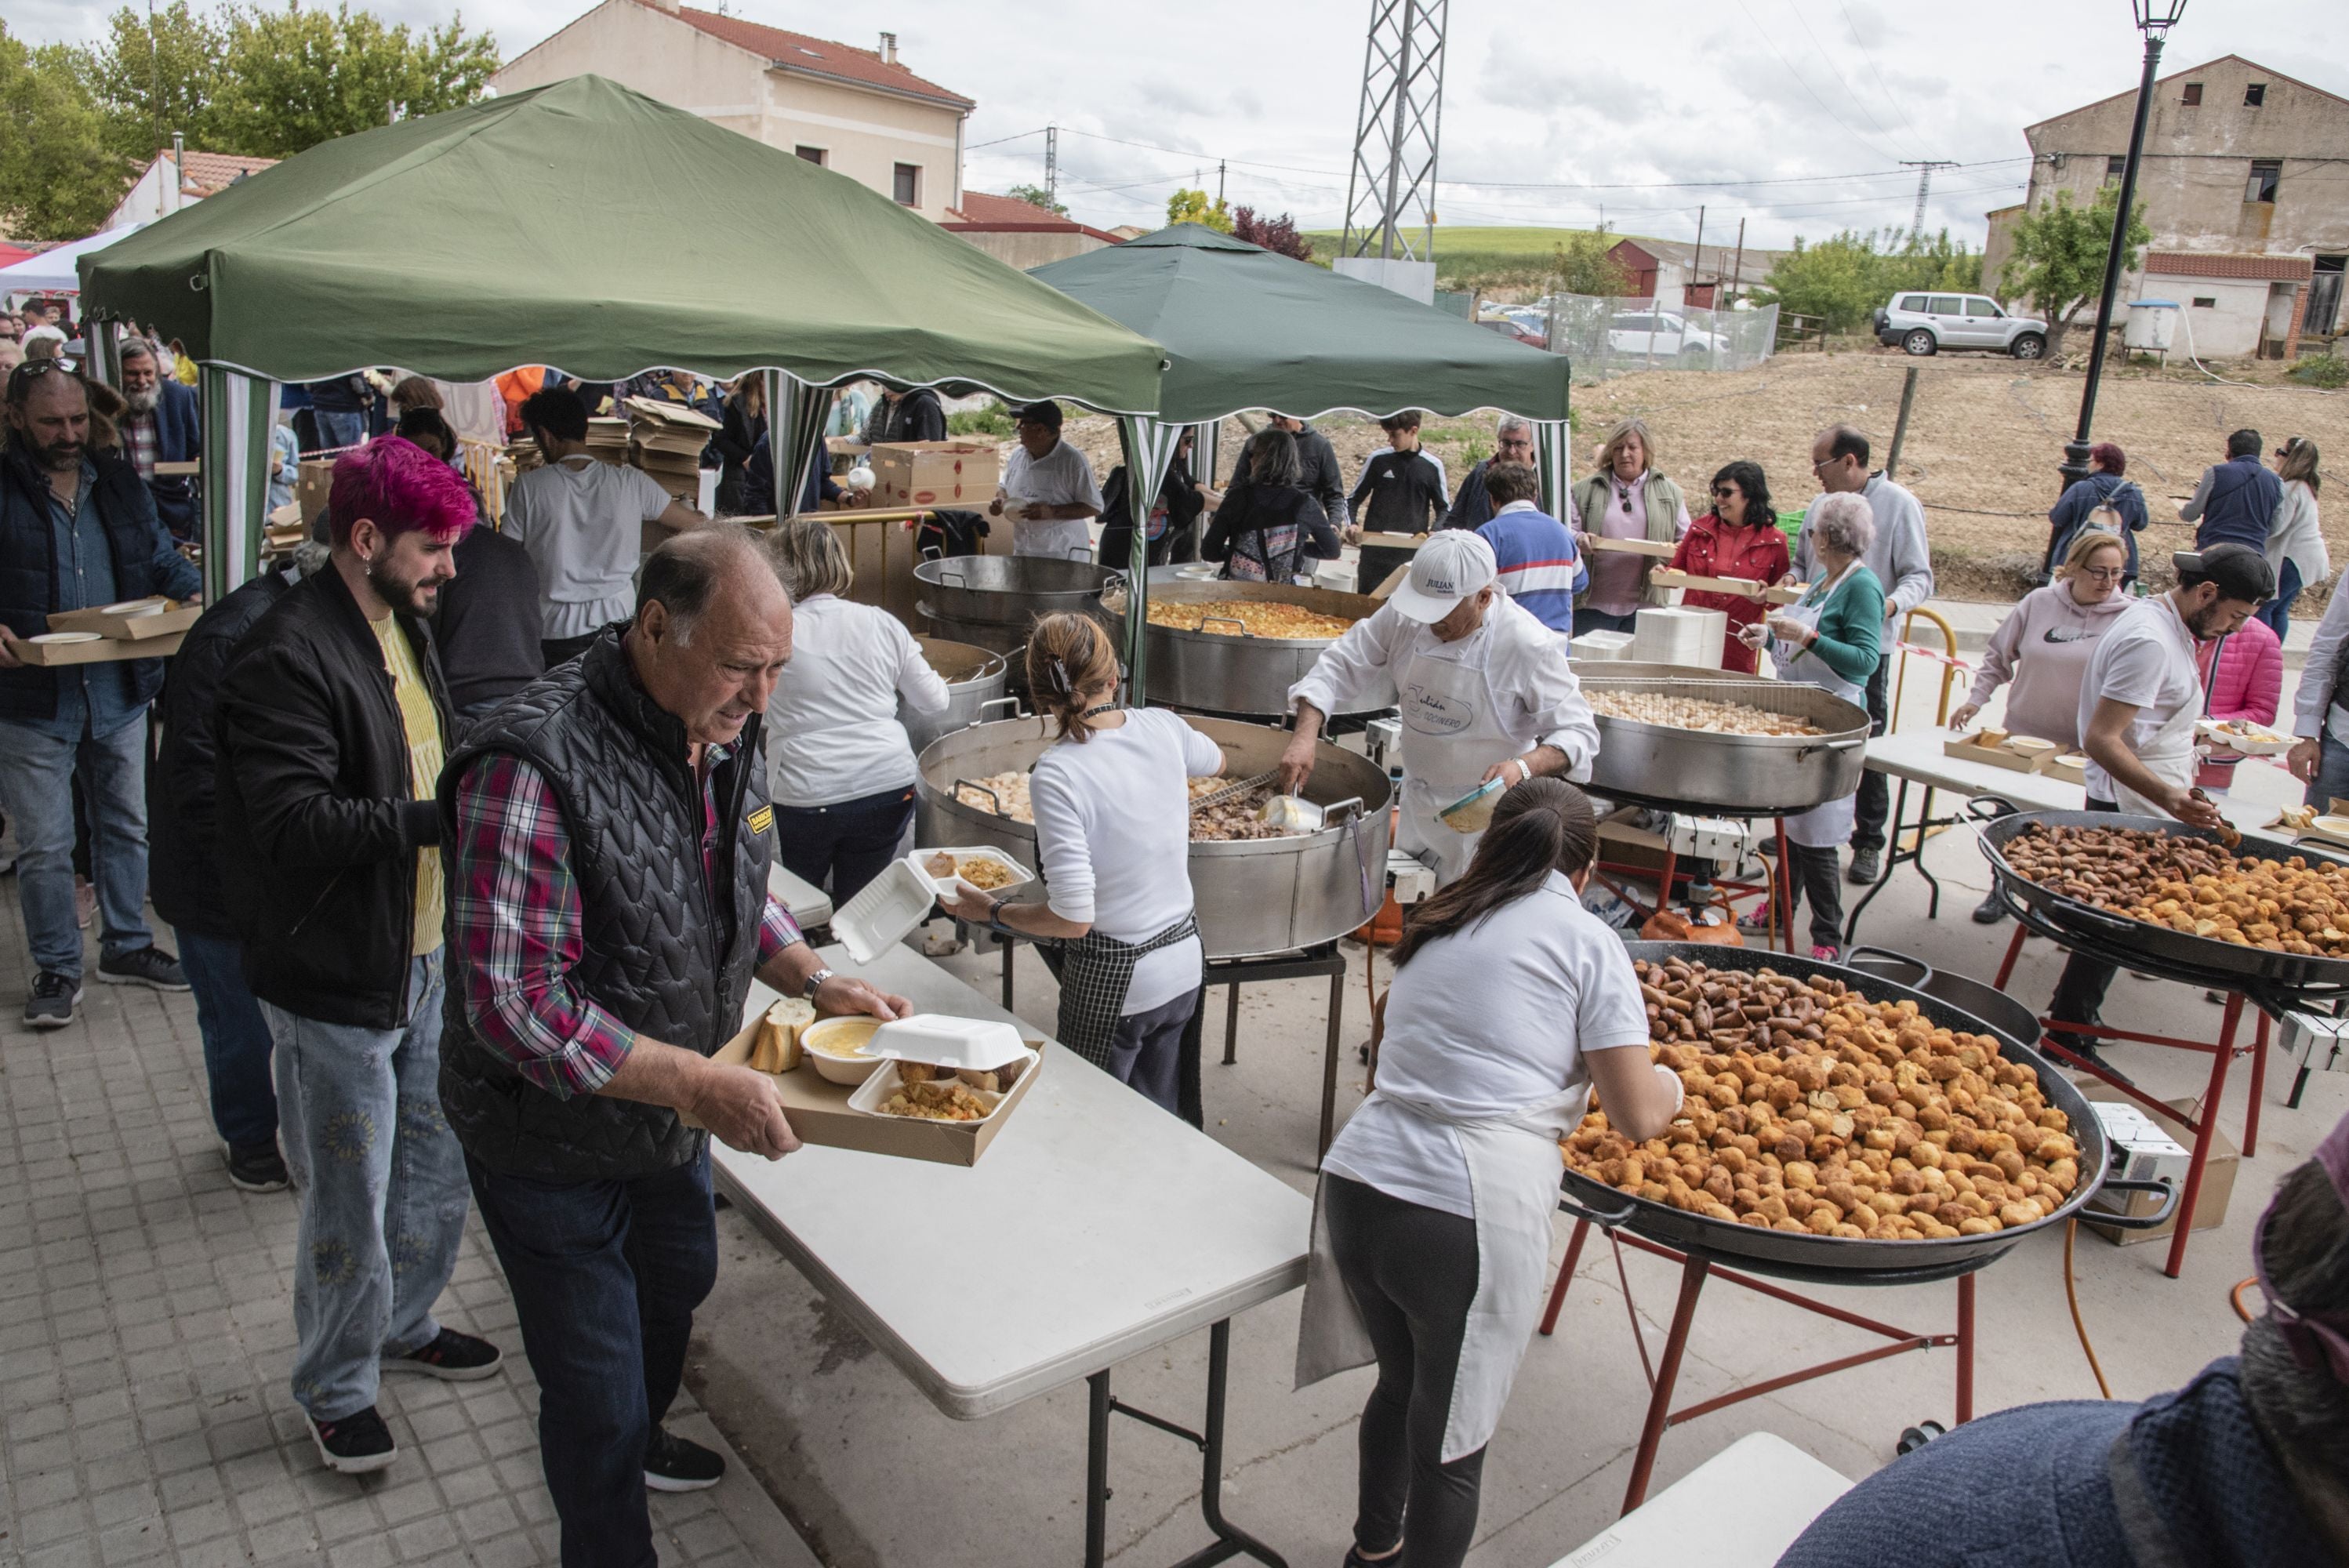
<point x="712" y="631"/>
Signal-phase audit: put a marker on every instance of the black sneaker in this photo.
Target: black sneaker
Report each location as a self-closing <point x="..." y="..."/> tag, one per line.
<point x="1867" y="865"/>
<point x="356" y="1444"/>
<point x="51" y="1006"/>
<point x="258" y="1167"/>
<point x="149" y="967"/>
<point x="1990" y="910"/>
<point x="677" y="1464"/>
<point x="452" y="1357"/>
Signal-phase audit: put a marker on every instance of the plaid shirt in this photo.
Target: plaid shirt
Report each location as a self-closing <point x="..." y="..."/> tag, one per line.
<point x="138" y="440"/>
<point x="513" y="909"/>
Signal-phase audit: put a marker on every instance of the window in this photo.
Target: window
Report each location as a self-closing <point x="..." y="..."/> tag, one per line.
<point x="2265" y="173"/>
<point x="907" y="186"/>
<point x="814" y="155"/>
<point x="2255" y="95"/>
<point x="2193" y="93"/>
<point x="2206" y="301"/>
<point x="1913" y="302"/>
<point x="1946" y="304"/>
<point x="2115" y="165"/>
<point x="1983" y="309"/>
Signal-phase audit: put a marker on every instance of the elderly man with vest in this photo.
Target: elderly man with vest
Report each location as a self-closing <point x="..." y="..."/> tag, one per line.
<point x="76" y="530"/>
<point x="608" y="842"/>
<point x="2236" y="502"/>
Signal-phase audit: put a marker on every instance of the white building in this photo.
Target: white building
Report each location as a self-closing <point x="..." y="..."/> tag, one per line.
<point x="180" y="177"/>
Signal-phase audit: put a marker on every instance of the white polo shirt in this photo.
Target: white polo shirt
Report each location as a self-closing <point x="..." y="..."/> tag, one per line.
<point x="1060" y="477"/>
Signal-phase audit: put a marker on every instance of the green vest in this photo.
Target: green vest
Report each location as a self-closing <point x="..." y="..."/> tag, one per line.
<point x="1591" y="497"/>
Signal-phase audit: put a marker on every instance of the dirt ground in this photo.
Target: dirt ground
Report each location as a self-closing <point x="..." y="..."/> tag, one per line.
<point x="1984" y="438"/>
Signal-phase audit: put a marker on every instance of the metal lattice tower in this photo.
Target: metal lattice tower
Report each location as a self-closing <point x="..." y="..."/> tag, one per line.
<point x="1924" y="167"/>
<point x="1391" y="191"/>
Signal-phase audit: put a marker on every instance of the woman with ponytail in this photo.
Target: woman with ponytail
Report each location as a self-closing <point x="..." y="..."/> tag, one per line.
<point x="1432" y="1229"/>
<point x="1112" y="807"/>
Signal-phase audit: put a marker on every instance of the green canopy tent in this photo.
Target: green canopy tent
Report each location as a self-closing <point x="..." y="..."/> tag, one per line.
<point x="1247" y="328"/>
<point x="588" y="226"/>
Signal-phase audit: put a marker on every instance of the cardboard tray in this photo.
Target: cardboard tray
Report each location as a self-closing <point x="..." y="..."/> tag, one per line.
<point x="1970" y="749"/>
<point x="820" y="1115"/>
<point x="1661" y="549"/>
<point x="174" y="617"/>
<point x="104" y="651"/>
<point x="2071" y="767"/>
<point x="1743" y="587"/>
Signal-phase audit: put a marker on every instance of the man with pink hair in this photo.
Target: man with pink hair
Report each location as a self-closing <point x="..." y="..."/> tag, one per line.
<point x="331" y="725"/>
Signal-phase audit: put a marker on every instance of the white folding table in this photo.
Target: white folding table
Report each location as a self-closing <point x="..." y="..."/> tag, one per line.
<point x="1114" y="1228"/>
<point x="1771" y="1487"/>
<point x="808" y="906"/>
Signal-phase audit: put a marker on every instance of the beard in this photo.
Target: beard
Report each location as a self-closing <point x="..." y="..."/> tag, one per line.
<point x="60" y="456"/>
<point x="2205" y="623"/>
<point x="144" y="400"/>
<point x="415" y="595"/>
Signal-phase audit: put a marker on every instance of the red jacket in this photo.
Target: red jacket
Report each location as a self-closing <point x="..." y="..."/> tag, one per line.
<point x="2248" y="684"/>
<point x="1712" y="549"/>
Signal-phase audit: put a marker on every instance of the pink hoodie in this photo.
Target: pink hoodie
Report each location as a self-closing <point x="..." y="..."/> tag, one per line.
<point x="2044" y="648"/>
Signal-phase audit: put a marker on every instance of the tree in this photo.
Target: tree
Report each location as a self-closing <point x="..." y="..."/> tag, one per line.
<point x="1276" y="234"/>
<point x="1037" y="196"/>
<point x="2060" y="252"/>
<point x="1845" y="278"/>
<point x="1193" y="207"/>
<point x="58" y="179"/>
<point x="1580" y="265"/>
<point x="158" y="73"/>
<point x="293" y="79"/>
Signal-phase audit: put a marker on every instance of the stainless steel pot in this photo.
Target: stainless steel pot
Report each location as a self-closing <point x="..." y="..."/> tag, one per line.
<point x="975" y="680"/>
<point x="1258" y="896"/>
<point x="1221" y="670"/>
<point x="1736" y="774"/>
<point x="992" y="601"/>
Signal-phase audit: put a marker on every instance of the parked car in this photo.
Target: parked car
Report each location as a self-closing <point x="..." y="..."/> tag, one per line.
<point x="1929" y="323"/>
<point x="1509" y="327"/>
<point x="1662" y="334"/>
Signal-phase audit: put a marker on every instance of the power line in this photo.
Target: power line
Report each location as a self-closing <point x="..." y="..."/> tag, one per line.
<point x="1804" y="82"/>
<point x="1796" y="7"/>
<point x="1870" y="56"/>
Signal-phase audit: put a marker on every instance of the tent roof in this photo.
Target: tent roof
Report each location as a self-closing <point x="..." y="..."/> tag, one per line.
<point x="52" y="271"/>
<point x="1247" y="328"/>
<point x="588" y="226"/>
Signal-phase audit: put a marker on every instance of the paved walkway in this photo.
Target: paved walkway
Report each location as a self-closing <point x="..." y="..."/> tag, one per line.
<point x="146" y="1330"/>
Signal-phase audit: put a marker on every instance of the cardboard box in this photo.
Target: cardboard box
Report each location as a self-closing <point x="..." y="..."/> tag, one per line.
<point x="960" y="475"/>
<point x="174" y="617"/>
<point x="106" y="650"/>
<point x="311" y="481"/>
<point x="1663" y="550"/>
<point x="1969" y="748"/>
<point x="819" y="1113"/>
<point x="2162" y="1146"/>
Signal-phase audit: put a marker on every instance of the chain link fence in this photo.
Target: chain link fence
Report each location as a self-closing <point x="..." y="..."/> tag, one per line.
<point x="1614" y="336"/>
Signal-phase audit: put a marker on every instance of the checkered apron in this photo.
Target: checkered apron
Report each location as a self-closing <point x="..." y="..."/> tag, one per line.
<point x="1095" y="971"/>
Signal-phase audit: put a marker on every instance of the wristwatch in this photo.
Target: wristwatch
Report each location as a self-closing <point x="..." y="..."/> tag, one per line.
<point x="816" y="982"/>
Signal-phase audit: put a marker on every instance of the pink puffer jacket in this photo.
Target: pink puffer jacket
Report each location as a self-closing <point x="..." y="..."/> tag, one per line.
<point x="2248" y="684"/>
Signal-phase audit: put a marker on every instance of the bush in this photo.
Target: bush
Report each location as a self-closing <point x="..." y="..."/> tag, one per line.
<point x="2326" y="370"/>
<point x="995" y="419"/>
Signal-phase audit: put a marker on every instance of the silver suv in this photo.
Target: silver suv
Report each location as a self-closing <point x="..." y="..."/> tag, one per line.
<point x="1929" y="323"/>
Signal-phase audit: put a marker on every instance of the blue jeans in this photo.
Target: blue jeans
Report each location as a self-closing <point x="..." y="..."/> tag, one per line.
<point x="383" y="1193"/>
<point x="848" y="843"/>
<point x="236" y="1040"/>
<point x="2332" y="781"/>
<point x="1588" y="620"/>
<point x="2277" y="612"/>
<point x="339" y="431"/>
<point x="36" y="774"/>
<point x="606" y="1276"/>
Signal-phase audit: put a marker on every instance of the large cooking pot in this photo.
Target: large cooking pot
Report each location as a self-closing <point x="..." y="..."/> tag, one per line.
<point x="974" y="678"/>
<point x="1218" y="668"/>
<point x="1255" y="896"/>
<point x="993" y="600"/>
<point x="1739" y="775"/>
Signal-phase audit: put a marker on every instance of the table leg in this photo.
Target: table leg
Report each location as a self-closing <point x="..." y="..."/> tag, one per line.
<point x="1232" y="1024"/>
<point x="1668" y="1372"/>
<point x="1565" y="1275"/>
<point x="2259" y="1087"/>
<point x="1965" y="1349"/>
<point x="1230" y="1540"/>
<point x="2298" y="1082"/>
<point x="1924" y="824"/>
<point x="1782" y="891"/>
<point x="1097" y="1470"/>
<point x="2013" y="952"/>
<point x="1007" y="945"/>
<point x="1329" y="1061"/>
<point x="2219" y="1061"/>
<point x="1891" y="859"/>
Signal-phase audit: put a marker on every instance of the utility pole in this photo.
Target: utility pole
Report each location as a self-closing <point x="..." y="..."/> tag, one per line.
<point x="1052" y="164"/>
<point x="1924" y="167"/>
<point x="1391" y="189"/>
<point x="1696" y="264"/>
<point x="1738" y="268"/>
<point x="1219" y="182"/>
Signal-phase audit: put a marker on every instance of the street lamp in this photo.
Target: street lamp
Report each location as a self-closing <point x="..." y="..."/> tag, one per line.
<point x="2154" y="19"/>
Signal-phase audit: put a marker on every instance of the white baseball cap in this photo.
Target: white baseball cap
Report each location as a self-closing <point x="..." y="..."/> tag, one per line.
<point x="1449" y="567"/>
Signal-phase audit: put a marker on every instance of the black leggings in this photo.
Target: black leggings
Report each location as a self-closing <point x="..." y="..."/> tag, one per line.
<point x="1817" y="872"/>
<point x="1411" y="1271"/>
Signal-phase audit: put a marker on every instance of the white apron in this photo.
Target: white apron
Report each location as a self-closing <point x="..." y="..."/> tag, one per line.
<point x="1513" y="1176"/>
<point x="2168" y="754"/>
<point x="1451" y="734"/>
<point x="1829" y="826"/>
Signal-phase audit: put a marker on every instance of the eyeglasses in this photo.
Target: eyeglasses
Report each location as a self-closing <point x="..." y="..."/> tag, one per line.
<point x="2104" y="573"/>
<point x="1726" y="492"/>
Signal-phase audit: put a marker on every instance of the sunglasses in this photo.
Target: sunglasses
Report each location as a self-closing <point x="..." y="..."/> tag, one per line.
<point x="30" y="371"/>
<point x="1726" y="492"/>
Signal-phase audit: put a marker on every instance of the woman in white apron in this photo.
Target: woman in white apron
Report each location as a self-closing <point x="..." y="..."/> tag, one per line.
<point x="1112" y="807"/>
<point x="1832" y="638"/>
<point x="2138" y="705"/>
<point x="1484" y="690"/>
<point x="1432" y="1228"/>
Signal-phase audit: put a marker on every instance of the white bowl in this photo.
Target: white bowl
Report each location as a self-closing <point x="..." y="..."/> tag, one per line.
<point x="836" y="1049"/>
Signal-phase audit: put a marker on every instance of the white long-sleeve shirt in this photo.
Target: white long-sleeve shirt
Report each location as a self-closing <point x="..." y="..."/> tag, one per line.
<point x="1541" y="701"/>
<point x="1899" y="556"/>
<point x="832" y="729"/>
<point x="2295" y="534"/>
<point x="2313" y="711"/>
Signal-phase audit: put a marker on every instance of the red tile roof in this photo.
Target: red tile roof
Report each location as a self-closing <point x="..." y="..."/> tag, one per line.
<point x="816" y="56"/>
<point x="2228" y="264"/>
<point x="981" y="213"/>
<point x="204" y="173"/>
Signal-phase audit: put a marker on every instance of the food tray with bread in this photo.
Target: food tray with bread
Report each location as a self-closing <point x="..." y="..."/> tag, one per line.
<point x="133" y="620"/>
<point x="49" y="649"/>
<point x="1816" y="1088"/>
<point x="1998" y="748"/>
<point x="1742" y="587"/>
<point x="969" y="869"/>
<point x="2242" y="736"/>
<point x="926" y="1087"/>
<point x="2116" y="863"/>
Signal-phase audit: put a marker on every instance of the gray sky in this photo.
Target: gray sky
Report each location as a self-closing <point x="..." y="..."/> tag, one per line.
<point x="1551" y="113"/>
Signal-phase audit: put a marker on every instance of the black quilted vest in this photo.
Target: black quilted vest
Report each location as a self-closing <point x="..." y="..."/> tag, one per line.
<point x="666" y="953"/>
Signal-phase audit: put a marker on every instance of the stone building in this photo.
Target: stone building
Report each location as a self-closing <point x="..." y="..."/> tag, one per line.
<point x="2245" y="185"/>
<point x="860" y="112"/>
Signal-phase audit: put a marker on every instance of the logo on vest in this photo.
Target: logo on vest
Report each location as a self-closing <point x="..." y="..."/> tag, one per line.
<point x="1436" y="712"/>
<point x="760" y="821"/>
